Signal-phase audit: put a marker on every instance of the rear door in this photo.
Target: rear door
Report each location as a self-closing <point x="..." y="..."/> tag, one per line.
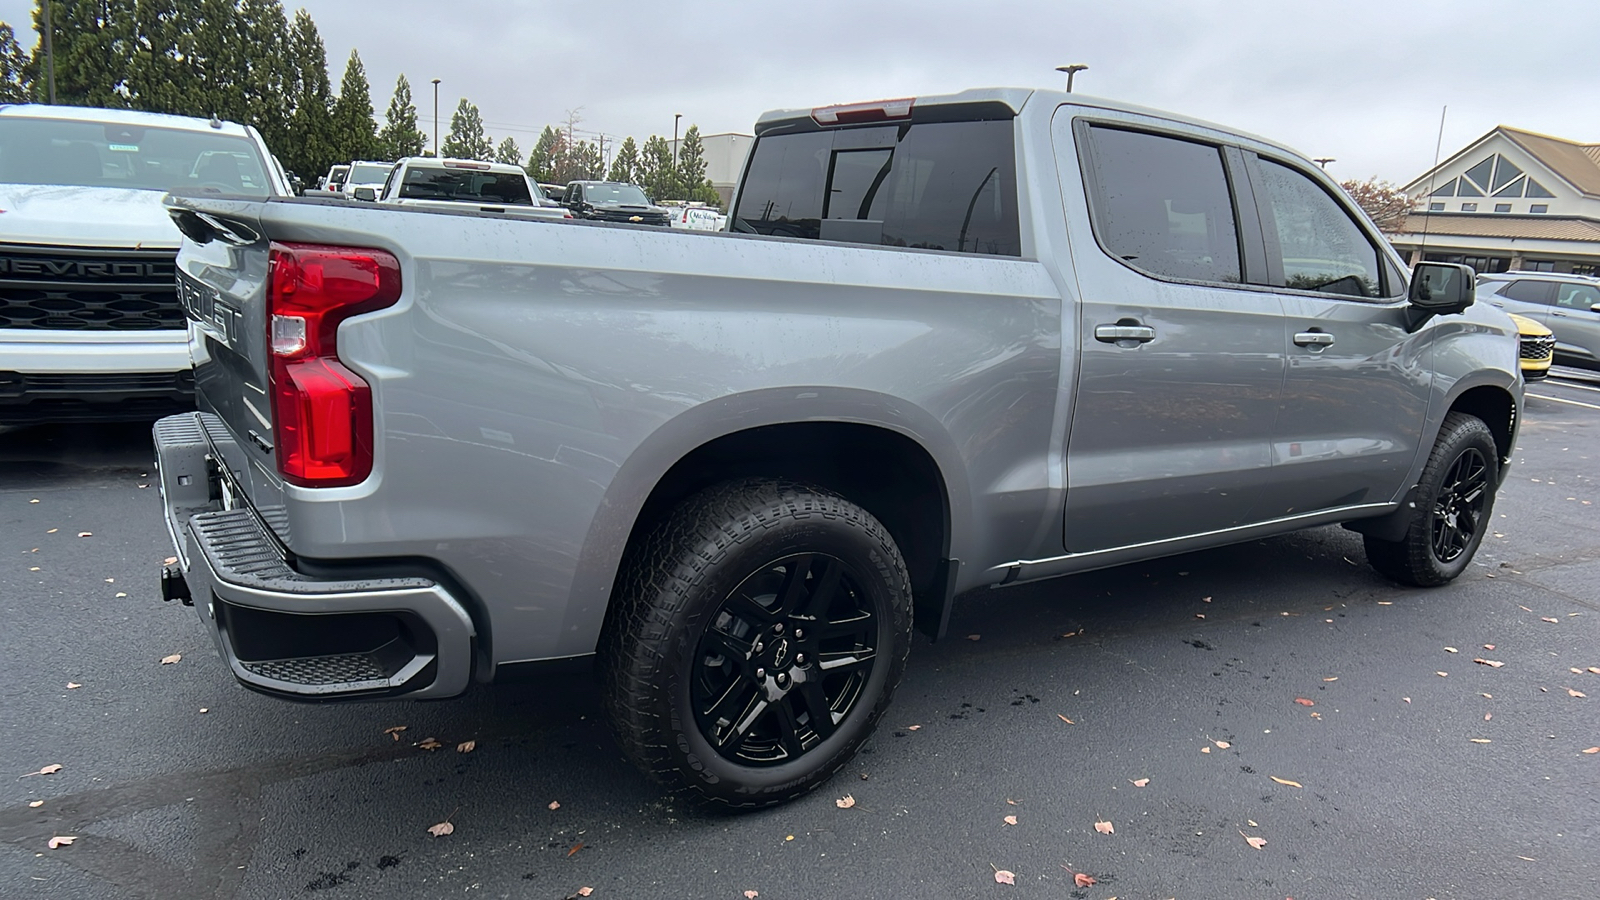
<point x="1576" y="322"/>
<point x="1181" y="361"/>
<point x="1357" y="385"/>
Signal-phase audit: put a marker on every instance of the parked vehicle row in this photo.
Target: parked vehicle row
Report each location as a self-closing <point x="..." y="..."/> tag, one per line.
<point x="1567" y="305"/>
<point x="951" y="342"/>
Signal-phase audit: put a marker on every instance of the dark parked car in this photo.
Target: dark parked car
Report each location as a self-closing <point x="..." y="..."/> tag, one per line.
<point x="613" y="201"/>
<point x="1568" y="305"/>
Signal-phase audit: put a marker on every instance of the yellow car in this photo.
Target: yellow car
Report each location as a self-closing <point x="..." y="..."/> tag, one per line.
<point x="1536" y="346"/>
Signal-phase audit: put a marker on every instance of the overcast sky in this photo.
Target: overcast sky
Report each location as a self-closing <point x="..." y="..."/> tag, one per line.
<point x="1359" y="80"/>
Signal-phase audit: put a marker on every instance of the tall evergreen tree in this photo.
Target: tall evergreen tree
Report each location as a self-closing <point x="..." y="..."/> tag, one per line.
<point x="219" y="59"/>
<point x="13" y="68"/>
<point x="585" y="162"/>
<point x="656" y="174"/>
<point x="400" y="136"/>
<point x="92" y="42"/>
<point x="508" y="152"/>
<point x="467" y="140"/>
<point x="355" y="135"/>
<point x="542" y="160"/>
<point x="268" y="81"/>
<point x="162" y="75"/>
<point x="312" y="149"/>
<point x="692" y="180"/>
<point x="625" y="164"/>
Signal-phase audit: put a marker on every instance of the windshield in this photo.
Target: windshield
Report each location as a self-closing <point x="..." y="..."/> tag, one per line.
<point x="439" y="183"/>
<point x="615" y="193"/>
<point x="365" y="174"/>
<point x="95" y="154"/>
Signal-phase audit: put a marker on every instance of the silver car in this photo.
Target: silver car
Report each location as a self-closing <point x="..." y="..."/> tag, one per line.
<point x="1568" y="305"/>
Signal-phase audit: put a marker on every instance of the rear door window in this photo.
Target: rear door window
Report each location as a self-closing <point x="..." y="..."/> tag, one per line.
<point x="1320" y="245"/>
<point x="927" y="185"/>
<point x="1577" y="296"/>
<point x="1161" y="205"/>
<point x="1541" y="292"/>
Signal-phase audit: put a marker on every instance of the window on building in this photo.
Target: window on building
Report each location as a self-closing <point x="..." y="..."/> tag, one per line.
<point x="1480" y="173"/>
<point x="1535" y="189"/>
<point x="1162" y="205"/>
<point x="1539" y="208"/>
<point x="1538" y="265"/>
<point x="1585" y="269"/>
<point x="1435" y="207"/>
<point x="1504" y="172"/>
<point x="1502" y="207"/>
<point x="1469" y="207"/>
<point x="1479" y="264"/>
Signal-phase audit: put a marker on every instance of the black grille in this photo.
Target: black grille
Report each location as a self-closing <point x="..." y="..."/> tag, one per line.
<point x="1536" y="347"/>
<point x="89" y="289"/>
<point x="341" y="669"/>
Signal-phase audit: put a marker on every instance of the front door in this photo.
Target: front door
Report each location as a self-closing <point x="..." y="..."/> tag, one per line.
<point x="1180" y="363"/>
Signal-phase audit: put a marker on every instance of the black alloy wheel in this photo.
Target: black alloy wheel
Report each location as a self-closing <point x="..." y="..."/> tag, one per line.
<point x="755" y="639"/>
<point x="784" y="660"/>
<point x="1458" y="511"/>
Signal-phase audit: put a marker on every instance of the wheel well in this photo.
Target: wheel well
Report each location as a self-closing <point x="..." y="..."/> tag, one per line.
<point x="886" y="473"/>
<point x="1497" y="410"/>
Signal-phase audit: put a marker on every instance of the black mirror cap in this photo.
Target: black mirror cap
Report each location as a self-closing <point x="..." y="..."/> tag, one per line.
<point x="1442" y="288"/>
<point x="366" y="193"/>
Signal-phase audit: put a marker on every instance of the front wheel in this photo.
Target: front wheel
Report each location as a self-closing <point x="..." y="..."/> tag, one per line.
<point x="761" y="630"/>
<point x="1454" y="500"/>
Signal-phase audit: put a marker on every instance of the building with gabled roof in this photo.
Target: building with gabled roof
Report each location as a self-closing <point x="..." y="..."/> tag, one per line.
<point x="1512" y="199"/>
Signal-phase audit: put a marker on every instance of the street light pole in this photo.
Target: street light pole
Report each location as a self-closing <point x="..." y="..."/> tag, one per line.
<point x="1071" y="70"/>
<point x="436" y="118"/>
<point x="675" y="186"/>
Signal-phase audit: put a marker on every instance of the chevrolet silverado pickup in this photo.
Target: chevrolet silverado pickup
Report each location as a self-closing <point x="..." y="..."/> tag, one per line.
<point x="948" y="343"/>
<point x="90" y="324"/>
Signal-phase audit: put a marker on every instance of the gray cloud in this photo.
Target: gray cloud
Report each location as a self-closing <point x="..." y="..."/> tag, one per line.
<point x="1359" y="80"/>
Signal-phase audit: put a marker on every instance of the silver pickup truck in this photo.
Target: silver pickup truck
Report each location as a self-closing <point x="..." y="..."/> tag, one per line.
<point x="953" y="342"/>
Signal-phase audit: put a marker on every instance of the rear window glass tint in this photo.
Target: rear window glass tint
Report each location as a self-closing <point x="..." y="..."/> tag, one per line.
<point x="933" y="185"/>
<point x="1162" y="205"/>
<point x="429" y="183"/>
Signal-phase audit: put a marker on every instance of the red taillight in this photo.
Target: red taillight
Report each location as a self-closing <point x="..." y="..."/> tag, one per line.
<point x="322" y="411"/>
<point x="854" y="113"/>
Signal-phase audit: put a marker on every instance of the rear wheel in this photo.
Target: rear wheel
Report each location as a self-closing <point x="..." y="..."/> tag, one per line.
<point x="762" y="629"/>
<point x="1454" y="502"/>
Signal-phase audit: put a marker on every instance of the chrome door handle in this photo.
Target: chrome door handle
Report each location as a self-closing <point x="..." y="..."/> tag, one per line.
<point x="1111" y="334"/>
<point x="1313" y="339"/>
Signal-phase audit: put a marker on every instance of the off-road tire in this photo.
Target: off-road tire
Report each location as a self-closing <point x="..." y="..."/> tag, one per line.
<point x="1415" y="559"/>
<point x="678" y="584"/>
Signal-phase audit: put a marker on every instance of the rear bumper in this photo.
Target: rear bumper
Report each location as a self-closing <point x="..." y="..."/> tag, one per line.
<point x="287" y="634"/>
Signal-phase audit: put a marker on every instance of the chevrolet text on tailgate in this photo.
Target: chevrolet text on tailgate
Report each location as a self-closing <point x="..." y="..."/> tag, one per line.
<point x="951" y="342"/>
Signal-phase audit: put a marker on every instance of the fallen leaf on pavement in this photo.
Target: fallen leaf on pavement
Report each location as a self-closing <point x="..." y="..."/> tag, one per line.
<point x="33" y="501"/>
<point x="1222" y="745"/>
<point x="38" y="803"/>
<point x="1479" y="740"/>
<point x="845" y="802"/>
<point x="1065" y="719"/>
<point x="751" y="895"/>
<point x="1491" y="663"/>
<point x="1285" y="781"/>
<point x="466" y="746"/>
<point x="1010" y="820"/>
<point x="581" y="892"/>
<point x="1255" y="842"/>
<point x="1082" y="880"/>
<point x="122" y="593"/>
<point x="47" y="770"/>
<point x="575" y="848"/>
<point x="1552" y="621"/>
<point x="555" y="804"/>
<point x="441" y="829"/>
<point x="1304" y="702"/>
<point x="85" y="534"/>
<point x="1451" y="650"/>
<point x="913" y="727"/>
<point x="1334" y="678"/>
<point x="1001" y="876"/>
<point x="1205" y="749"/>
<point x="1573" y="693"/>
<point x="1592" y="750"/>
<point x="52" y="531"/>
<point x="169" y="660"/>
<point x="430" y="744"/>
<point x="61" y="840"/>
<point x="1442" y="674"/>
<point x="974" y="637"/>
<point x="1488" y="646"/>
<point x="1199" y="615"/>
<point x="1139" y="782"/>
<point x="394" y="731"/>
<point x="1594" y="670"/>
<point x="73" y="685"/>
<point x="1105" y="828"/>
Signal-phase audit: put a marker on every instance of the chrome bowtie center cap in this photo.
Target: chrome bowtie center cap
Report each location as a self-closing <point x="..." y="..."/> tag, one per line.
<point x="780" y="653"/>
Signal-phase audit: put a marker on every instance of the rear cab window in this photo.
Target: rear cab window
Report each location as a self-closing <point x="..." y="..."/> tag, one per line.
<point x="921" y="184"/>
<point x="444" y="182"/>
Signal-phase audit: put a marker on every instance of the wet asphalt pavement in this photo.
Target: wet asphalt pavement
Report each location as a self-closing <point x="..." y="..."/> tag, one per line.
<point x="1277" y="689"/>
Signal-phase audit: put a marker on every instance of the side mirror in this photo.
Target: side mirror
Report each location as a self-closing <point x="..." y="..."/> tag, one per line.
<point x="366" y="193"/>
<point x="1595" y="308"/>
<point x="1442" y="288"/>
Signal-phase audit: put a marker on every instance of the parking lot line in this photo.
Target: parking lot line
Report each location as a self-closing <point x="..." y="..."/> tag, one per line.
<point x="1559" y="400"/>
<point x="1569" y="382"/>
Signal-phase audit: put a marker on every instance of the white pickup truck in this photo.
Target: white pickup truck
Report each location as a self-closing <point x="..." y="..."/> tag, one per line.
<point x="465" y="185"/>
<point x="90" y="323"/>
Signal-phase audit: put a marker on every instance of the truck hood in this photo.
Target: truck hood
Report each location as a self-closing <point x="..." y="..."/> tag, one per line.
<point x="76" y="216"/>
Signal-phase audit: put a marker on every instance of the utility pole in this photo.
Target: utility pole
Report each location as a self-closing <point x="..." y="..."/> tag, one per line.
<point x="49" y="54"/>
<point x="1071" y="70"/>
<point x="436" y="118"/>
